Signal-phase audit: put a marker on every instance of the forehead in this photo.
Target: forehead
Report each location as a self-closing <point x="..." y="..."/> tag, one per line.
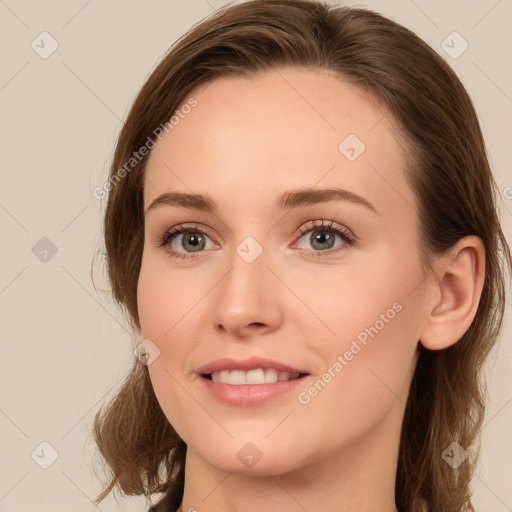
<point x="282" y="129"/>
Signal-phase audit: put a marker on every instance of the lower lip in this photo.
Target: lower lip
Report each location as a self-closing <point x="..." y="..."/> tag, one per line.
<point x="250" y="394"/>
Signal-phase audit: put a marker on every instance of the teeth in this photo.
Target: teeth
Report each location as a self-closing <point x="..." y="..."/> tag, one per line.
<point x="257" y="376"/>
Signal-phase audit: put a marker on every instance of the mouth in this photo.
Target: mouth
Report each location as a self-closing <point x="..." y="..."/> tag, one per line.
<point x="251" y="382"/>
<point x="256" y="376"/>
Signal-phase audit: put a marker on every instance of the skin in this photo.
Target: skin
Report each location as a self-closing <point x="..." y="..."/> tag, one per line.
<point x="245" y="143"/>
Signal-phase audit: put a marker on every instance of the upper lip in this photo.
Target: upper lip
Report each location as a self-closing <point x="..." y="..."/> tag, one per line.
<point x="250" y="363"/>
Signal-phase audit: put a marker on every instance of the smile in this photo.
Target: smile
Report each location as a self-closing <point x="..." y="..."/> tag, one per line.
<point x="256" y="376"/>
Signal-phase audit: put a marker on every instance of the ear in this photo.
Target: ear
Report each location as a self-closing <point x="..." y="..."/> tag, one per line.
<point x="454" y="291"/>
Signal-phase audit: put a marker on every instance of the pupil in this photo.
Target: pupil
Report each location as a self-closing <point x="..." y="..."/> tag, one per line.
<point x="194" y="240"/>
<point x="322" y="237"/>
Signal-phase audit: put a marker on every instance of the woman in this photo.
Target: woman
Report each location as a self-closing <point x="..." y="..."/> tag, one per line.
<point x="302" y="226"/>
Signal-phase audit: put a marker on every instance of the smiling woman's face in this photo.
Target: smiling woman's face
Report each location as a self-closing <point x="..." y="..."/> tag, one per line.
<point x="259" y="276"/>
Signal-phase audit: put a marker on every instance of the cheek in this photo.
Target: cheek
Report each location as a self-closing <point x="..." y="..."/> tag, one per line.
<point x="370" y="324"/>
<point x="152" y="303"/>
<point x="162" y="305"/>
<point x="349" y="299"/>
<point x="161" y="298"/>
<point x="366" y="376"/>
<point x="170" y="308"/>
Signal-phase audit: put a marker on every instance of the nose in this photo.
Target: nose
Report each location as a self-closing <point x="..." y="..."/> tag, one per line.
<point x="248" y="299"/>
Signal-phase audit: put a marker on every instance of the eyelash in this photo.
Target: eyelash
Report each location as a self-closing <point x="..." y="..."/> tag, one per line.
<point x="343" y="233"/>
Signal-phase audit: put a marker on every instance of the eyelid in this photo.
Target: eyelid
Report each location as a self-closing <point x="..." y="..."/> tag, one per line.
<point x="170" y="234"/>
<point x="331" y="225"/>
<point x="346" y="235"/>
<point x="180" y="229"/>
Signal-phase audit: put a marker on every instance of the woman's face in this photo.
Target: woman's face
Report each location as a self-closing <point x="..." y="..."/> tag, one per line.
<point x="326" y="284"/>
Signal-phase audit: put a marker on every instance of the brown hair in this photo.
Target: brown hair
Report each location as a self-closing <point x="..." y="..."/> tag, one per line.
<point x="447" y="169"/>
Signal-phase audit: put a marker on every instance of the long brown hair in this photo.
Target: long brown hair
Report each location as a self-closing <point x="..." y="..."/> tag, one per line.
<point x="447" y="169"/>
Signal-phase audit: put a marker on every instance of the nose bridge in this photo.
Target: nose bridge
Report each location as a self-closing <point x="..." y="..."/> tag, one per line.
<point x="246" y="294"/>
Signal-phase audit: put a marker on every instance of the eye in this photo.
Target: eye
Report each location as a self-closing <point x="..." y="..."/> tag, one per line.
<point x="183" y="241"/>
<point x="189" y="241"/>
<point x="322" y="237"/>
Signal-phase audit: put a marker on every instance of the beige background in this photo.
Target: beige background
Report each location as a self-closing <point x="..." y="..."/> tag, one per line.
<point x="65" y="347"/>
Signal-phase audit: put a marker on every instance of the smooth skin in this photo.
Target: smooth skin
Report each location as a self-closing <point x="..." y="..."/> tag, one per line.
<point x="302" y="301"/>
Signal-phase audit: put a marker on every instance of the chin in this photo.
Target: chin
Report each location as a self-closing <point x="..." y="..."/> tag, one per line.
<point x="252" y="459"/>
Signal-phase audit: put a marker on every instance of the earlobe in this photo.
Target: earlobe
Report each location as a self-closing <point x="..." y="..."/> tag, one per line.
<point x="455" y="290"/>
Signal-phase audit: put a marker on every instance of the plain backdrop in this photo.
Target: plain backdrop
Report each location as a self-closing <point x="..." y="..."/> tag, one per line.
<point x="69" y="72"/>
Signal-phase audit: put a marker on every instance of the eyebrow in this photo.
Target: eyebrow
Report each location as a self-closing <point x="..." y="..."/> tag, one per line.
<point x="287" y="201"/>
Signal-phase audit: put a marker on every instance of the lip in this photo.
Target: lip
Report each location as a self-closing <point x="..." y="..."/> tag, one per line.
<point x="251" y="363"/>
<point x="250" y="394"/>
